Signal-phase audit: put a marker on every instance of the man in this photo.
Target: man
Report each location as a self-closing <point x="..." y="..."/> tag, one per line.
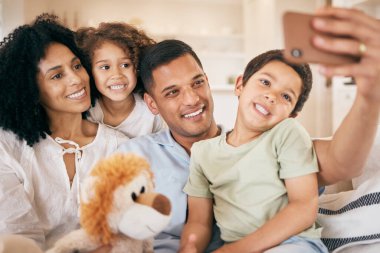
<point x="177" y="88"/>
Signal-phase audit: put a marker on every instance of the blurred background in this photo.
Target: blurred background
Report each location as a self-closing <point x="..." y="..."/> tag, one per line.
<point x="226" y="34"/>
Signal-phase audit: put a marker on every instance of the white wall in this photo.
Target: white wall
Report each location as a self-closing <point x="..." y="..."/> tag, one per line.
<point x="33" y="8"/>
<point x="12" y="15"/>
<point x="156" y="16"/>
<point x="263" y="22"/>
<point x="18" y="12"/>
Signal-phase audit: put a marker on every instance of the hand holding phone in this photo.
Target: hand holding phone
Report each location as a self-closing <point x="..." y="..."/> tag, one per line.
<point x="298" y="34"/>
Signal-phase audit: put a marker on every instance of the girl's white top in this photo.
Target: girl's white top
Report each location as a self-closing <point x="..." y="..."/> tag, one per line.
<point x="139" y="122"/>
<point x="36" y="199"/>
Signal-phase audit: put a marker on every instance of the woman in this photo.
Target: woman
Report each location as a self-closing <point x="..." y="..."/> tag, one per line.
<point x="46" y="145"/>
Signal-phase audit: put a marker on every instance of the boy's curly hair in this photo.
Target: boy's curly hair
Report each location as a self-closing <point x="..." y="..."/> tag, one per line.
<point x="127" y="37"/>
<point x="20" y="54"/>
<point x="303" y="70"/>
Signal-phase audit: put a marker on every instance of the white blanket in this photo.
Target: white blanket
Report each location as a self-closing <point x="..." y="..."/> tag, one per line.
<point x="352" y="218"/>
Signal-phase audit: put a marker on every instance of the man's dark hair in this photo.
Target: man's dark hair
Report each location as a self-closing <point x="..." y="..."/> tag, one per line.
<point x="20" y="54"/>
<point x="160" y="54"/>
<point x="303" y="70"/>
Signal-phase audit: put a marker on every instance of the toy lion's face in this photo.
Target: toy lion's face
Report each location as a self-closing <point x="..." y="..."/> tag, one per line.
<point x="138" y="212"/>
<point x="125" y="194"/>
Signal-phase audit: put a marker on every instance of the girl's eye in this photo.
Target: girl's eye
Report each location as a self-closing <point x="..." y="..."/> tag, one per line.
<point x="265" y="82"/>
<point x="105" y="67"/>
<point x="125" y="65"/>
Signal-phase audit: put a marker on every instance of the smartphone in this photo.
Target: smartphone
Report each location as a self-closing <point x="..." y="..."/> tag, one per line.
<point x="298" y="33"/>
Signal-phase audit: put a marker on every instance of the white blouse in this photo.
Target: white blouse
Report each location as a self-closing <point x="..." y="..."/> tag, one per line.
<point x="36" y="199"/>
<point x="140" y="121"/>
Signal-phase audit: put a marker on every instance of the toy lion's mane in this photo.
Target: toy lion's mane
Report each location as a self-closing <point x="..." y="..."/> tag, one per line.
<point x="110" y="174"/>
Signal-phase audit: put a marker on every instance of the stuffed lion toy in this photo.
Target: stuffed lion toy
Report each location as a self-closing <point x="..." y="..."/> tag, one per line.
<point x="118" y="208"/>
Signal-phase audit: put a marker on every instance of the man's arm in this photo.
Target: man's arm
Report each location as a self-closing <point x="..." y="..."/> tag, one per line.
<point x="197" y="231"/>
<point x="345" y="155"/>
<point x="298" y="215"/>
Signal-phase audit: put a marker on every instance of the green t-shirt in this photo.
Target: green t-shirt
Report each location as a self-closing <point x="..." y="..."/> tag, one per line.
<point x="247" y="182"/>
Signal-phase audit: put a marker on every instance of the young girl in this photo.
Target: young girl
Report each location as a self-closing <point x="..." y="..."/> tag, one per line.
<point x="113" y="51"/>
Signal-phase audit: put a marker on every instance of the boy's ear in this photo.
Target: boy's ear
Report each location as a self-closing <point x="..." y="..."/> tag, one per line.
<point x="151" y="103"/>
<point x="238" y="85"/>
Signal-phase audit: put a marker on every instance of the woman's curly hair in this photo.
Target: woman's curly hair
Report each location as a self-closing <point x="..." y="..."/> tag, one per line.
<point x="127" y="37"/>
<point x="20" y="54"/>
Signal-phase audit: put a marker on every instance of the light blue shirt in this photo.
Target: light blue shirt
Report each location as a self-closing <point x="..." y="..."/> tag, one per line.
<point x="170" y="165"/>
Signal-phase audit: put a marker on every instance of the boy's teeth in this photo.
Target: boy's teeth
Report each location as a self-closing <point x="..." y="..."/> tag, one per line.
<point x="193" y="114"/>
<point x="261" y="109"/>
<point x="76" y="94"/>
<point x="116" y="87"/>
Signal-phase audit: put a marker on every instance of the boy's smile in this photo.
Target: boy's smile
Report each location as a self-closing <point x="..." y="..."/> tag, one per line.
<point x="268" y="97"/>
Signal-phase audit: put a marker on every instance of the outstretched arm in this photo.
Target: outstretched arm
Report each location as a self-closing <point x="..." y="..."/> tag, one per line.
<point x="197" y="231"/>
<point x="345" y="155"/>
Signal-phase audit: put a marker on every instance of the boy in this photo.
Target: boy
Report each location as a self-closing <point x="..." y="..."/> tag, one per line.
<point x="259" y="180"/>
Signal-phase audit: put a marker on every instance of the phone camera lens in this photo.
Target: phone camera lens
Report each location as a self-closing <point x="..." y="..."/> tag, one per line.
<point x="297" y="53"/>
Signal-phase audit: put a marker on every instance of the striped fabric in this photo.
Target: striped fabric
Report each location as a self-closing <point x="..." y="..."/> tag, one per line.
<point x="351" y="218"/>
<point x="366" y="200"/>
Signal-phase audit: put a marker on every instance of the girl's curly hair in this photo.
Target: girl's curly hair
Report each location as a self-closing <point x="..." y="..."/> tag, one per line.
<point x="127" y="37"/>
<point x="20" y="54"/>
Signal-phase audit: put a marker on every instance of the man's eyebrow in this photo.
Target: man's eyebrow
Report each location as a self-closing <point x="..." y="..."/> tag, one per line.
<point x="168" y="88"/>
<point x="198" y="76"/>
<point x="174" y="85"/>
